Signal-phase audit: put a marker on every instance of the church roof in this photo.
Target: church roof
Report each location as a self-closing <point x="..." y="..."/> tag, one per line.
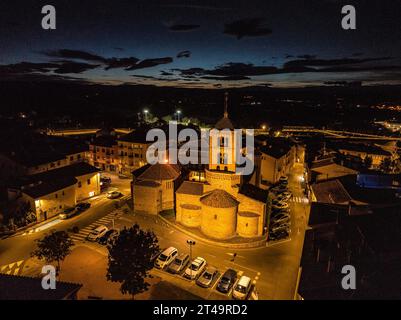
<point x="159" y="171"/>
<point x="219" y="199"/>
<point x="192" y="188"/>
<point x="224" y="123"/>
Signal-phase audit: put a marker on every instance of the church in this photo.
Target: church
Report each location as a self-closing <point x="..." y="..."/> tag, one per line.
<point x="222" y="206"/>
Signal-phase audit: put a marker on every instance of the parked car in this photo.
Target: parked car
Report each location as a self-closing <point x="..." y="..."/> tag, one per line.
<point x="114" y="194"/>
<point x="281" y="228"/>
<point x="195" y="268"/>
<point x="242" y="288"/>
<point x="107" y="237"/>
<point x="227" y="281"/>
<point x="166" y="257"/>
<point x="106" y="180"/>
<point x="279" y="235"/>
<point x="179" y="263"/>
<point x="206" y="279"/>
<point x="283" y="179"/>
<point x="279" y="216"/>
<point x="68" y="213"/>
<point x="97" y="233"/>
<point x="155" y="255"/>
<point x="284" y="197"/>
<point x="280" y="205"/>
<point x="282" y="220"/>
<point x="83" y="206"/>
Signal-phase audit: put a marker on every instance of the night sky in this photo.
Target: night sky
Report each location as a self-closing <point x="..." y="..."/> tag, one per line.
<point x="202" y="43"/>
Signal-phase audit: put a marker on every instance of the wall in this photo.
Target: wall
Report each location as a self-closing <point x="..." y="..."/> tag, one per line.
<point x="251" y="205"/>
<point x="85" y="190"/>
<point x="49" y="206"/>
<point x="147" y="199"/>
<point x="219" y="223"/>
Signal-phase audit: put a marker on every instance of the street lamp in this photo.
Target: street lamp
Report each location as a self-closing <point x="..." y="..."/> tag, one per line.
<point x="191" y="243"/>
<point x="178" y="115"/>
<point x="146" y="111"/>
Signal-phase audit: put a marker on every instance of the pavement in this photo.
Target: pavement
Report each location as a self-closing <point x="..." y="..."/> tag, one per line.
<point x="273" y="269"/>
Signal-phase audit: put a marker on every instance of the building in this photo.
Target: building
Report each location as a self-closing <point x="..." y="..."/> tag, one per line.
<point x="328" y="168"/>
<point x="29" y="288"/>
<point x="153" y="188"/>
<point x="49" y="193"/>
<point x="38" y="153"/>
<point x="274" y="158"/>
<point x="370" y="243"/>
<point x="376" y="153"/>
<point x="132" y="149"/>
<point x="103" y="153"/>
<point x="223" y="206"/>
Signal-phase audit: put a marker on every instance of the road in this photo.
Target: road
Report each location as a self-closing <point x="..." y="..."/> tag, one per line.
<point x="273" y="269"/>
<point x="19" y="247"/>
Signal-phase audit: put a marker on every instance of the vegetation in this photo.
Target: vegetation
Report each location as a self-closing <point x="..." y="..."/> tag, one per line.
<point x="130" y="259"/>
<point x="54" y="247"/>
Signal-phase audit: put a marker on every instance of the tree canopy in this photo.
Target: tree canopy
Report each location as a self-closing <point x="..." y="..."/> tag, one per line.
<point x="130" y="259"/>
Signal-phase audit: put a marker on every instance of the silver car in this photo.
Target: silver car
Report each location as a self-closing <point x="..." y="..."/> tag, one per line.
<point x="179" y="263"/>
<point x="207" y="277"/>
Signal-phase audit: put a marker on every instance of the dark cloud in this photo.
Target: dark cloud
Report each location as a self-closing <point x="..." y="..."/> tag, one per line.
<point x="307" y="56"/>
<point x="357" y="54"/>
<point x="330" y="62"/>
<point x="164" y="73"/>
<point x="250" y="27"/>
<point x="152" y="78"/>
<point x="110" y="63"/>
<point x="74" y="67"/>
<point x="75" y="54"/>
<point x="226" y="78"/>
<point x="242" y="71"/>
<point x="60" y="67"/>
<point x="125" y="63"/>
<point x="183" y="27"/>
<point x="184" y="54"/>
<point x="148" y="63"/>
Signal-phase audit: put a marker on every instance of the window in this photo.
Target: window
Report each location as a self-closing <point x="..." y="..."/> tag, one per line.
<point x="79" y="184"/>
<point x="89" y="181"/>
<point x="71" y="158"/>
<point x="63" y="193"/>
<point x="56" y="195"/>
<point x="79" y="156"/>
<point x="215" y="217"/>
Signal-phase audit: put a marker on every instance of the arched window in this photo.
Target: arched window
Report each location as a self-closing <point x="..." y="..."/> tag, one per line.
<point x="215" y="217"/>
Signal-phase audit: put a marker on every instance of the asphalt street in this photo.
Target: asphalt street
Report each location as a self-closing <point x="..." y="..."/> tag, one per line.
<point x="273" y="268"/>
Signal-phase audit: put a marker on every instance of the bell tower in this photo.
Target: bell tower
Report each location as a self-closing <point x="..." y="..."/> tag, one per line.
<point x="222" y="143"/>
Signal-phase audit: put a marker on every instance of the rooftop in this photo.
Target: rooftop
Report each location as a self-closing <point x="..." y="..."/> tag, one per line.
<point x="159" y="172"/>
<point x="27" y="288"/>
<point x="219" y="199"/>
<point x="192" y="188"/>
<point x="43" y="188"/>
<point x="254" y="192"/>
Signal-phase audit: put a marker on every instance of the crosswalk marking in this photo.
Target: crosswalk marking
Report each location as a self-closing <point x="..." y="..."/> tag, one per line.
<point x="299" y="199"/>
<point x="84" y="232"/>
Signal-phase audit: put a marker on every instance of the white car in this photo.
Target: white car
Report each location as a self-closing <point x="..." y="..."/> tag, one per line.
<point x="280" y="205"/>
<point x="114" y="194"/>
<point x="195" y="268"/>
<point x="166" y="257"/>
<point x="97" y="233"/>
<point x="242" y="288"/>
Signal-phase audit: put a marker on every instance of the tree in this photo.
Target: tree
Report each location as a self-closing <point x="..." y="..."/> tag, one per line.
<point x="53" y="247"/>
<point x="368" y="161"/>
<point x="386" y="165"/>
<point x="130" y="259"/>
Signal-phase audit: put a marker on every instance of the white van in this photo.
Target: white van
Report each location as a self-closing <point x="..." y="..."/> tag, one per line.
<point x="242" y="288"/>
<point x="164" y="258"/>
